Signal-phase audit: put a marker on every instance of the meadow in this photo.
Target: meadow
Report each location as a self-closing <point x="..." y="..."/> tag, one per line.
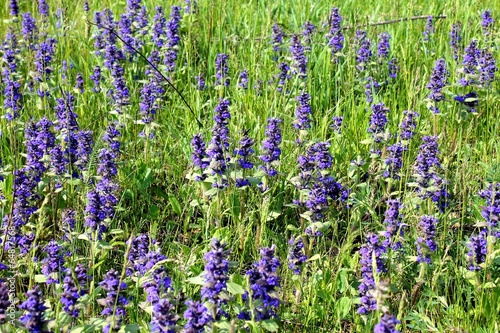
<point x="249" y="166"/>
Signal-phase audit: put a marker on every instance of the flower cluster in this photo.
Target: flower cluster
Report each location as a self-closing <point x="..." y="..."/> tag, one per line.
<point x="197" y="317"/>
<point x="335" y="36"/>
<point x="393" y="223"/>
<point x="114" y="303"/>
<point x="455" y="40"/>
<point x="364" y="52"/>
<point x="35" y="308"/>
<point x="378" y="121"/>
<point x="439" y="79"/>
<point x="387" y="324"/>
<point x="394" y="160"/>
<point x="221" y="70"/>
<point x="271" y="147"/>
<point x="296" y="255"/>
<point x="299" y="65"/>
<point x="408" y="124"/>
<point x="216" y="276"/>
<point x="426" y="243"/>
<point x="470" y="63"/>
<point x="371" y="252"/>
<point x="430" y="183"/>
<point x="264" y="284"/>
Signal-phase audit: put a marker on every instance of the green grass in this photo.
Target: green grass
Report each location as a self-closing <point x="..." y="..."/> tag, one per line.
<point x="156" y="197"/>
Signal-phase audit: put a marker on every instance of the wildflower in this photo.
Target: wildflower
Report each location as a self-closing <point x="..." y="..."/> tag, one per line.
<point x="215" y="275"/>
<point x="200" y="82"/>
<point x="430" y="183"/>
<point x="307" y="33"/>
<point x="487" y="68"/>
<point x="299" y="64"/>
<point x="4" y="301"/>
<point x="394" y="226"/>
<point x="371" y="87"/>
<point x="245" y="151"/>
<point x="191" y="6"/>
<point x="409" y="124"/>
<point x="364" y="52"/>
<point x="148" y="104"/>
<point x="12" y="96"/>
<point x="378" y="121"/>
<point x="296" y="256"/>
<point x="114" y="303"/>
<point x="277" y="36"/>
<point x="429" y="28"/>
<point x="478" y="248"/>
<point x="43" y="8"/>
<point x="393" y="68"/>
<point x="387" y="324"/>
<point x="96" y="78"/>
<point x="264" y="284"/>
<point x="111" y="136"/>
<point x="221" y="70"/>
<point x="34" y="306"/>
<point x="86" y="7"/>
<point x="394" y="161"/>
<point x="199" y="157"/>
<point x="14" y="7"/>
<point x="163" y="318"/>
<point x="439" y="79"/>
<point x="335" y="35"/>
<point x="337" y="124"/>
<point x="487" y="23"/>
<point x="370" y="252"/>
<point x="197" y="317"/>
<point x="70" y="295"/>
<point x="383" y="45"/>
<point x="243" y="79"/>
<point x="172" y="38"/>
<point x="79" y="83"/>
<point x="29" y="29"/>
<point x="283" y="76"/>
<point x="491" y="212"/>
<point x="470" y="63"/>
<point x="303" y="112"/>
<point x="426" y="243"/>
<point x="271" y="146"/>
<point x="455" y="40"/>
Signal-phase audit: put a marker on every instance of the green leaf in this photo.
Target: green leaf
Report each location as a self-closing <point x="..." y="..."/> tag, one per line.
<point x="317" y="256"/>
<point x="235" y="289"/>
<point x="196" y="280"/>
<point x="40" y="278"/>
<point x="176" y="206"/>
<point x="270" y="325"/>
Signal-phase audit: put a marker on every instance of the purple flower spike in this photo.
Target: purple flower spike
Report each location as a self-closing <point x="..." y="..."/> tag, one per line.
<point x="216" y="275"/>
<point x="393" y="225"/>
<point x="197" y="317"/>
<point x="299" y="64"/>
<point x="364" y="52"/>
<point x="271" y="146"/>
<point x="372" y="248"/>
<point x="303" y="112"/>
<point x="429" y="28"/>
<point x="34" y="306"/>
<point x="264" y="283"/>
<point x="296" y="255"/>
<point x="387" y="324"/>
<point x="409" y="124"/>
<point x="470" y="63"/>
<point x="221" y="70"/>
<point x="383" y="45"/>
<point x="439" y="79"/>
<point x="487" y="23"/>
<point x="426" y="243"/>
<point x="378" y="121"/>
<point x="456" y="40"/>
<point x="335" y="36"/>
